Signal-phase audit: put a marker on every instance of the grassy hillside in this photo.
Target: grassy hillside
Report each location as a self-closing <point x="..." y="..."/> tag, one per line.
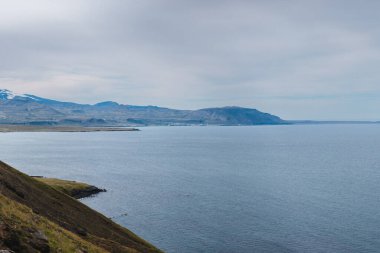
<point x="68" y="213"/>
<point x="21" y="230"/>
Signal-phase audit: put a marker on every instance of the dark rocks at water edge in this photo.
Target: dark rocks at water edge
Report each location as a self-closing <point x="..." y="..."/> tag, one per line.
<point x="74" y="189"/>
<point x="26" y="109"/>
<point x="87" y="192"/>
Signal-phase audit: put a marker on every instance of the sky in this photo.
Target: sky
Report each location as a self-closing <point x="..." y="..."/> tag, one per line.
<point x="300" y="59"/>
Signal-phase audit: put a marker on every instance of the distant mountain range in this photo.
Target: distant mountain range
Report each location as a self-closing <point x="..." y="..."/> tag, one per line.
<point x="33" y="110"/>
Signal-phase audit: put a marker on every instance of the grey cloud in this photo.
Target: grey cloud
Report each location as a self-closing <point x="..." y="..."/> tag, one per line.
<point x="191" y="54"/>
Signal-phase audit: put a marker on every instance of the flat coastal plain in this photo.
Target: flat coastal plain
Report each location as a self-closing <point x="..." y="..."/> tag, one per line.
<point x="23" y="128"/>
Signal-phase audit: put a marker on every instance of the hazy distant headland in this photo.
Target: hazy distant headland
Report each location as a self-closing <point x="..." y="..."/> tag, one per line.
<point x="17" y="109"/>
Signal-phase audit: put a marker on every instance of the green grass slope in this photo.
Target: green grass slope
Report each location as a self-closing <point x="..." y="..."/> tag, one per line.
<point x="69" y="213"/>
<point x="22" y="230"/>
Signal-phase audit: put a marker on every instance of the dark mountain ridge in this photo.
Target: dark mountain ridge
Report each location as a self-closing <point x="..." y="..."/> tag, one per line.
<point x="33" y="110"/>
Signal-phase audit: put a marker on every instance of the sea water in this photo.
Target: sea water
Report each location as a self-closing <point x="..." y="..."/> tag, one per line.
<point x="294" y="188"/>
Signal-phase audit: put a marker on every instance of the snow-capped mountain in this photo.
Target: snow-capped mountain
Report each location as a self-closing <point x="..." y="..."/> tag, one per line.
<point x="7" y="94"/>
<point x="29" y="109"/>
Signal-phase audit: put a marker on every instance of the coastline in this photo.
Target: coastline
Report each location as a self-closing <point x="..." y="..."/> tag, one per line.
<point x="68" y="129"/>
<point x="77" y="190"/>
<point x="36" y="217"/>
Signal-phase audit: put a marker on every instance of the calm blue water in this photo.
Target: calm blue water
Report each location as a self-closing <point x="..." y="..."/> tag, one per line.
<point x="224" y="189"/>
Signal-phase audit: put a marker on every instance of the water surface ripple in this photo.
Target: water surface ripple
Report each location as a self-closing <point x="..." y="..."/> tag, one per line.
<point x="224" y="189"/>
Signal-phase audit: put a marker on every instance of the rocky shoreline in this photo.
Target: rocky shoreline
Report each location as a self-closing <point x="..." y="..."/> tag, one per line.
<point x="77" y="190"/>
<point x="40" y="215"/>
<point x="88" y="192"/>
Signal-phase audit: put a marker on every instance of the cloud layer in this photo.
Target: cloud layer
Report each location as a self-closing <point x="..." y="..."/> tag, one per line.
<point x="298" y="59"/>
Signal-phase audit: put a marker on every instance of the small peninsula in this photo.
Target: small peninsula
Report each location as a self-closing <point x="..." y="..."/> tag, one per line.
<point x="37" y="216"/>
<point x="74" y="189"/>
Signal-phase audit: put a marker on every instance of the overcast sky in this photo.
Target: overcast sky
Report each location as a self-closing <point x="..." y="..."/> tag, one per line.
<point x="296" y="59"/>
